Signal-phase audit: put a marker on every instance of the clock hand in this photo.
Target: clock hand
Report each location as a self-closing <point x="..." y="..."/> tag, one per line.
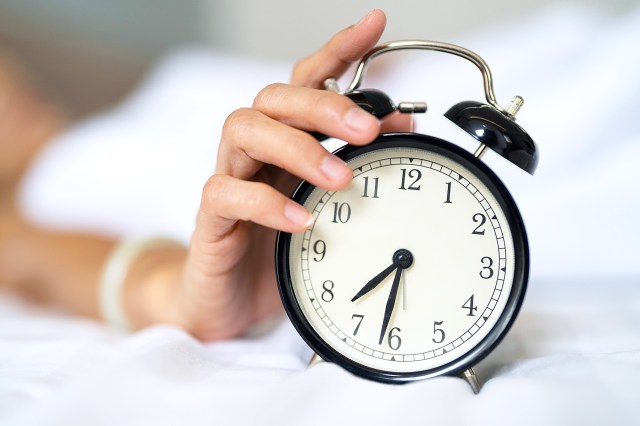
<point x="404" y="292"/>
<point x="374" y="281"/>
<point x="401" y="258"/>
<point x="391" y="301"/>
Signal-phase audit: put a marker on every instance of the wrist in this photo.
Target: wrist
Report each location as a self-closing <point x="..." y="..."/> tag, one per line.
<point x="140" y="281"/>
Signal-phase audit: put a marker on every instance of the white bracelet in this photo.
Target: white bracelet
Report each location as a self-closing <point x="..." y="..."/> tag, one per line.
<point x="114" y="274"/>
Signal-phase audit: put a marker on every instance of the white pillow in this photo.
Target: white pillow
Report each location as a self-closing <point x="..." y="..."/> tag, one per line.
<point x="140" y="168"/>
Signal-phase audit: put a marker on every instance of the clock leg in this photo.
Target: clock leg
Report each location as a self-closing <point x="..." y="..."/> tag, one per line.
<point x="315" y="359"/>
<point x="470" y="377"/>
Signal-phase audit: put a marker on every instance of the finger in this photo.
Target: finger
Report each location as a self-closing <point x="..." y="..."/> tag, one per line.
<point x="347" y="46"/>
<point x="251" y="139"/>
<point x="398" y="122"/>
<point x="318" y="110"/>
<point x="227" y="200"/>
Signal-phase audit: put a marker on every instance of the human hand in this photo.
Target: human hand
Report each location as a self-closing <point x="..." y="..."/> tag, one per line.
<point x="229" y="280"/>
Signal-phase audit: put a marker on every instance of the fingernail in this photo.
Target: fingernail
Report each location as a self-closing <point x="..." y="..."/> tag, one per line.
<point x="359" y="120"/>
<point x="334" y="168"/>
<point x="298" y="214"/>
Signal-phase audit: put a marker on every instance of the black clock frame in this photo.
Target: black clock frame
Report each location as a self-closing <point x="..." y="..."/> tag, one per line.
<point x="521" y="263"/>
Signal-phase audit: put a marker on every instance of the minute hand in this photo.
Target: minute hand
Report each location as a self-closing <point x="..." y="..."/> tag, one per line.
<point x="391" y="302"/>
<point x="374" y="282"/>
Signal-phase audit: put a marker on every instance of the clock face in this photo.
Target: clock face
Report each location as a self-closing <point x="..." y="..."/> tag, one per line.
<point x="417" y="268"/>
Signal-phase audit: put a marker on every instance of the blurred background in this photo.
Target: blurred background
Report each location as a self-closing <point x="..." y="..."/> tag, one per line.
<point x="87" y="54"/>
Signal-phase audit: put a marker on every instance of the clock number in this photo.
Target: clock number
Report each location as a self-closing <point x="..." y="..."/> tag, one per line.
<point x="414" y="174"/>
<point x="479" y="217"/>
<point x="319" y="248"/>
<point x="448" y="200"/>
<point x="341" y="213"/>
<point x="438" y="331"/>
<point x="486" y="272"/>
<point x="360" y="318"/>
<point x="366" y="187"/>
<point x="470" y="306"/>
<point x="327" y="291"/>
<point x="393" y="340"/>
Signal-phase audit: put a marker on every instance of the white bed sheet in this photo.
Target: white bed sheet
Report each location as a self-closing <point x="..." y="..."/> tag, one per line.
<point x="573" y="356"/>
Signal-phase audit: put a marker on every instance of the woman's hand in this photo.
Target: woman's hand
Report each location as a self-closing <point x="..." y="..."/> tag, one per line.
<point x="229" y="278"/>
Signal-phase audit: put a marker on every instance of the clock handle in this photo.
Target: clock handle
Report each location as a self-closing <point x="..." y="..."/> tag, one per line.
<point x="373" y="101"/>
<point x="492" y="125"/>
<point x="437" y="46"/>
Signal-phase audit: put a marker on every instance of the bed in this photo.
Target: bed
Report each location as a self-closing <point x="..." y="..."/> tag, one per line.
<point x="572" y="357"/>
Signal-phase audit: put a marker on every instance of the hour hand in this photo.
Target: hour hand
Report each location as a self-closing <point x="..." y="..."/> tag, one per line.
<point x="373" y="283"/>
<point x="402" y="259"/>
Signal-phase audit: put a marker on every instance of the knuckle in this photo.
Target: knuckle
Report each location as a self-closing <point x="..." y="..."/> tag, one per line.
<point x="239" y="130"/>
<point x="268" y="95"/>
<point x="238" y="121"/>
<point x="230" y="199"/>
<point x="216" y="192"/>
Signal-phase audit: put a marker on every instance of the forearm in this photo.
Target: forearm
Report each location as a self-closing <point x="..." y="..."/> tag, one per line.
<point x="66" y="269"/>
<point x="52" y="267"/>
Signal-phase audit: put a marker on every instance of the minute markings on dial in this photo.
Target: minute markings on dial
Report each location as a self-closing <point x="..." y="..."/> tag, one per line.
<point x="491" y="219"/>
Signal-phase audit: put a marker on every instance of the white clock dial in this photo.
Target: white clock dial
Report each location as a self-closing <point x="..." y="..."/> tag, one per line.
<point x="439" y="244"/>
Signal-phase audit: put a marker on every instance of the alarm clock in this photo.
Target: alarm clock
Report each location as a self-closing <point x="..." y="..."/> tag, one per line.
<point x="419" y="267"/>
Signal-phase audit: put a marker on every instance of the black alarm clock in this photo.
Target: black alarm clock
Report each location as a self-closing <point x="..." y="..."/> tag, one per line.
<point x="419" y="267"/>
